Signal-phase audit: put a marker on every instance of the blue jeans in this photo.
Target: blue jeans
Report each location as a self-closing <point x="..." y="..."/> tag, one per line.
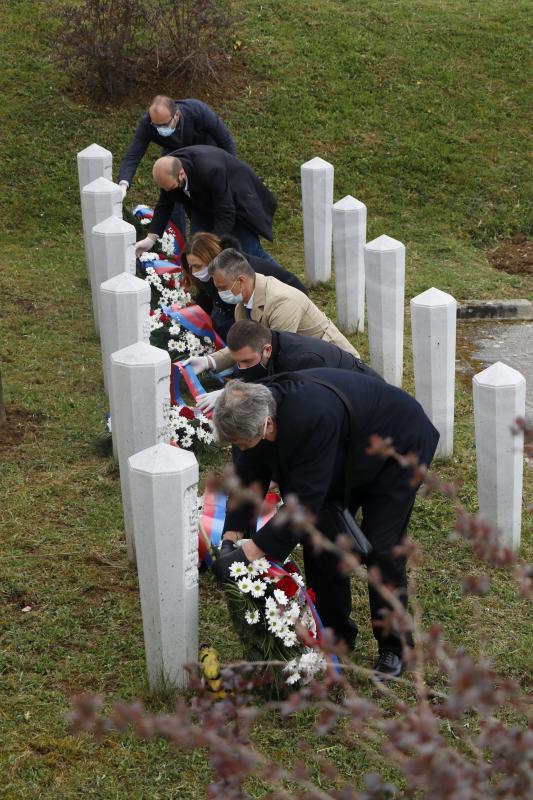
<point x="249" y="240"/>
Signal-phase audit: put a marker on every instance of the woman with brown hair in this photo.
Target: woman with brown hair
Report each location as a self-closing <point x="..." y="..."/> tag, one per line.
<point x="198" y="254"/>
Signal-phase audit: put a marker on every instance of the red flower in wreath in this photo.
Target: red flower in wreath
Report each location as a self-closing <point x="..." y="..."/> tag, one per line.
<point x="171" y="283"/>
<point x="152" y="312"/>
<point x="287" y="585"/>
<point x="186" y="412"/>
<point x="164" y="318"/>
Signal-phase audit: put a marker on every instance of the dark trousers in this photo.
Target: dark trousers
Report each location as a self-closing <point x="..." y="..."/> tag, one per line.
<point x="249" y="240"/>
<point x="386" y="504"/>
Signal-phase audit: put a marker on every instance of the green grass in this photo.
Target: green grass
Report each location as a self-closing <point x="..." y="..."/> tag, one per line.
<point x="421" y="107"/>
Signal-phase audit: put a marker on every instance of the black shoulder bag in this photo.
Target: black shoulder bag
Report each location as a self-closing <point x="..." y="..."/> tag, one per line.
<point x="335" y="516"/>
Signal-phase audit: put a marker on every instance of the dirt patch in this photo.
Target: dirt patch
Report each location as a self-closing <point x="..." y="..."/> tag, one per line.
<point x="19" y="425"/>
<point x="514" y="256"/>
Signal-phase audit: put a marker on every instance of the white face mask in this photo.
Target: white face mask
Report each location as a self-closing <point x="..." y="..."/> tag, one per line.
<point x="228" y="297"/>
<point x="202" y="275"/>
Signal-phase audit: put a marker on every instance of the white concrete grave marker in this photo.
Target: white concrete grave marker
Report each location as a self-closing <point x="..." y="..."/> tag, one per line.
<point x="349" y="238"/>
<point x="163" y="481"/>
<point x="385" y="288"/>
<point x="99" y="200"/>
<point x="113" y="246"/>
<point x="125" y="310"/>
<point x="317" y="202"/>
<point x="499" y="398"/>
<point x="94" y="162"/>
<point x="433" y="325"/>
<point x="140" y="400"/>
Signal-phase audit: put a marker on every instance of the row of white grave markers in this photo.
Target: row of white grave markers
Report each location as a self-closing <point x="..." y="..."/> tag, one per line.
<point x="377" y="269"/>
<point x="158" y="482"/>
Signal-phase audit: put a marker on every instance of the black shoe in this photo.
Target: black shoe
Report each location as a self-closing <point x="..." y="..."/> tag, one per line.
<point x="388" y="665"/>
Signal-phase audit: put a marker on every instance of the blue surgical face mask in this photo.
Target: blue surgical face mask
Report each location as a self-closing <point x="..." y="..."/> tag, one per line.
<point x="202" y="275"/>
<point x="165" y="130"/>
<point x="228" y="297"/>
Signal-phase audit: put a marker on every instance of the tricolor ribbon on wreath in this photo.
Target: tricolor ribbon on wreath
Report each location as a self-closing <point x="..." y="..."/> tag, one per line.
<point x="146" y="213"/>
<point x="196" y="320"/>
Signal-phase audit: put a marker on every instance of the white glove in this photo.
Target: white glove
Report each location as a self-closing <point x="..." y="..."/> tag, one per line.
<point x="200" y="363"/>
<point x="143" y="246"/>
<point x="124" y="186"/>
<point x="207" y="402"/>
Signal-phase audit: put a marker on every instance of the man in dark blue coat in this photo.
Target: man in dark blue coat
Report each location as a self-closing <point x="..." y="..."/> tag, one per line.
<point x="221" y="194"/>
<point x="298" y="433"/>
<point x="173" y="124"/>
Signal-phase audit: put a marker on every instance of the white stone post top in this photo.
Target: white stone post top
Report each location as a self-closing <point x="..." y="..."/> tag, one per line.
<point x="348" y="204"/>
<point x="126" y="283"/>
<point x="499" y="375"/>
<point x="317" y="164"/>
<point x="384" y="242"/>
<point x="433" y="297"/>
<point x="101" y="186"/>
<point x="165" y="459"/>
<point x="94" y="151"/>
<point x="113" y="225"/>
<point x="140" y="354"/>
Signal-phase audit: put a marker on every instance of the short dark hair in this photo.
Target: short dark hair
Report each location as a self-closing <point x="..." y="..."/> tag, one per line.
<point x="248" y="333"/>
<point x="232" y="264"/>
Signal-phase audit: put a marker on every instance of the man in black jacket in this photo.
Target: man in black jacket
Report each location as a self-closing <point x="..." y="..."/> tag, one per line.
<point x="220" y="193"/>
<point x="259" y="352"/>
<point x="299" y="432"/>
<point x="173" y="124"/>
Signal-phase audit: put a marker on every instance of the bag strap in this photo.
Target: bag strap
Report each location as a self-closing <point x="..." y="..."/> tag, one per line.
<point x="300" y="376"/>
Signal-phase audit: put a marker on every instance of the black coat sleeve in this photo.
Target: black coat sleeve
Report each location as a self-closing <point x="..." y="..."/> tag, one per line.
<point x="312" y="440"/>
<point x="223" y="207"/>
<point x="205" y="301"/>
<point x="162" y="211"/>
<point x="135" y="152"/>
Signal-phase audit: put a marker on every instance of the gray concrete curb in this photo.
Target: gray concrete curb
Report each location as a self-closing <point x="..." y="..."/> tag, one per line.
<point x="495" y="309"/>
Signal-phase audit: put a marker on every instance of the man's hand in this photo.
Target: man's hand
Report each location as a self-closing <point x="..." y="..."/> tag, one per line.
<point x="230" y="554"/>
<point x="144" y="245"/>
<point x="124" y="186"/>
<point x="199" y="363"/>
<point x="207" y="402"/>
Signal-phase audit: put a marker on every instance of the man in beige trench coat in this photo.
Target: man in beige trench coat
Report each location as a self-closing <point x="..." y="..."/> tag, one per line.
<point x="266" y="300"/>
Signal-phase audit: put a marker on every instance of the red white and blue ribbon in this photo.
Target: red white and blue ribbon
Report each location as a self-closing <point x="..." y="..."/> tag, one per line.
<point x="145" y="212"/>
<point x="196" y="320"/>
<point x="213" y="516"/>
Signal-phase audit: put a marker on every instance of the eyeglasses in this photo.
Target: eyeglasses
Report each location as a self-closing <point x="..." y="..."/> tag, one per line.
<point x="164" y="124"/>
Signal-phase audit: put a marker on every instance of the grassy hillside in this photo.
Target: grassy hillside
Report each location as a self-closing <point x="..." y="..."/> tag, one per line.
<point x="421" y="107"/>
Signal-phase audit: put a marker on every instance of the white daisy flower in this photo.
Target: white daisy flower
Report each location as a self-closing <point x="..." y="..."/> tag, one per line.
<point x="258" y="589"/>
<point x="245" y="585"/>
<point x="290" y="639"/>
<point x="261" y="565"/>
<point x="237" y="569"/>
<point x="293" y="678"/>
<point x="251" y="617"/>
<point x="281" y="597"/>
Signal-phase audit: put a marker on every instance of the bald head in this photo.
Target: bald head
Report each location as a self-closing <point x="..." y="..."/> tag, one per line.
<point x="162" y="110"/>
<point x="168" y="173"/>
